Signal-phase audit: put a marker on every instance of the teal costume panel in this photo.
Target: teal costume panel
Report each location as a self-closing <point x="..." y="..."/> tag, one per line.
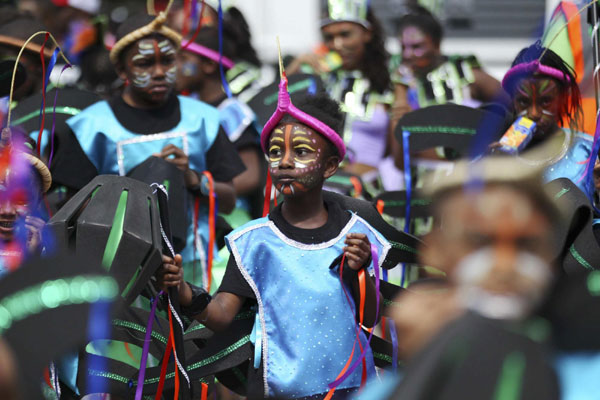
<point x="307" y="326"/>
<point x="115" y="150"/>
<point x="236" y="117"/>
<point x="573" y="164"/>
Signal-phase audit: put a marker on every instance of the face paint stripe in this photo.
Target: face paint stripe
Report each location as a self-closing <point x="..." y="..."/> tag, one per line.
<point x="287" y="138"/>
<point x="304" y="146"/>
<point x="302" y="139"/>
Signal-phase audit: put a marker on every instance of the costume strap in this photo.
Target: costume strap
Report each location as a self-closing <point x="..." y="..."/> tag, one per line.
<point x="212" y="211"/>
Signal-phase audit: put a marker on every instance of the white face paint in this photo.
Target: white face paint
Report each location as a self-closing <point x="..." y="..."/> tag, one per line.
<point x="473" y="271"/>
<point x="171" y="75"/>
<point x="141" y="80"/>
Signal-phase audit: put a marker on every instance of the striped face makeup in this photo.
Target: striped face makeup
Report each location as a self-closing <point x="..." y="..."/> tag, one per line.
<point x="539" y="99"/>
<point x="151" y="68"/>
<point x="296" y="158"/>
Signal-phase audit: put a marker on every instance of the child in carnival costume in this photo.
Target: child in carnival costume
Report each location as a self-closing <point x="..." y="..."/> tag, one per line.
<point x="199" y="75"/>
<point x="305" y="326"/>
<point x="355" y="73"/>
<point x="543" y="88"/>
<point x="148" y="119"/>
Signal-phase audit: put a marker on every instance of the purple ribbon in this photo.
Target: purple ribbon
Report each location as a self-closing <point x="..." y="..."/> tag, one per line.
<point x="356" y="363"/>
<point x="143" y="361"/>
<point x="221" y="70"/>
<point x="54" y="117"/>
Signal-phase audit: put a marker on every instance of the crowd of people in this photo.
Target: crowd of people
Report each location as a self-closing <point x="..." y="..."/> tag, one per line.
<point x="368" y="225"/>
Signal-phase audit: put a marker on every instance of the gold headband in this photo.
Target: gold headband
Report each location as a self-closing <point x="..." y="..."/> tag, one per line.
<point x="156" y="26"/>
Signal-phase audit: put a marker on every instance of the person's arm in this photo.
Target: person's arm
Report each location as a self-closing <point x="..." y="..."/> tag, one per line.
<point x="220" y="311"/>
<point x="310" y="59"/>
<point x="487" y="89"/>
<point x="358" y="255"/>
<point x="248" y="180"/>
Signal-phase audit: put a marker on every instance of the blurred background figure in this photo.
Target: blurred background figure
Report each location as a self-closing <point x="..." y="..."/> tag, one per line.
<point x="495" y="243"/>
<point x="355" y="72"/>
<point x="199" y="76"/>
<point x="433" y="78"/>
<point x="551" y="98"/>
<point x="244" y="77"/>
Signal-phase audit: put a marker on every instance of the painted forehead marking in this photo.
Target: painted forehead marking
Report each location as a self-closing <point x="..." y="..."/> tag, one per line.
<point x="166" y="47"/>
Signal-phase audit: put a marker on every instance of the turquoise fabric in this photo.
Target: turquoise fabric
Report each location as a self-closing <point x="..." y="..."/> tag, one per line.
<point x="308" y="328"/>
<point x="579" y="375"/>
<point x="380" y="388"/>
<point x="573" y="164"/>
<point x="115" y="150"/>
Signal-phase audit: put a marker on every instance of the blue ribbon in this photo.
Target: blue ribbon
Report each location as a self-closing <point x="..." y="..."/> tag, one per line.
<point x="408" y="190"/>
<point x="51" y="64"/>
<point x="98" y="328"/>
<point x="221" y="70"/>
<point x="394" y="337"/>
<point x="256" y="339"/>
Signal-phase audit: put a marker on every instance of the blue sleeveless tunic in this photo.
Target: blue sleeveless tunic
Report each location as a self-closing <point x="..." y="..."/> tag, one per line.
<point x="573" y="164"/>
<point x="307" y="327"/>
<point x="115" y="150"/>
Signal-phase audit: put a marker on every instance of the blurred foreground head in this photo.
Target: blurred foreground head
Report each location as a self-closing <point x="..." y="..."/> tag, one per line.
<point x="495" y="238"/>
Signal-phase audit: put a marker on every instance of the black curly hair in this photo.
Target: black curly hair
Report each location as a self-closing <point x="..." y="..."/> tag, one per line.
<point x="422" y="19"/>
<point x="376" y="56"/>
<point x="237" y="30"/>
<point x="209" y="37"/>
<point x="323" y="108"/>
<point x="571" y="109"/>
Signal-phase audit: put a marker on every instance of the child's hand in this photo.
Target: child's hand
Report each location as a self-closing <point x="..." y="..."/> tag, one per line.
<point x="357" y="250"/>
<point x="171" y="272"/>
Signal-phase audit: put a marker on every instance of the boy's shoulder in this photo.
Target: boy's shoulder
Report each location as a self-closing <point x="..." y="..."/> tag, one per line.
<point x="248" y="226"/>
<point x="188" y="103"/>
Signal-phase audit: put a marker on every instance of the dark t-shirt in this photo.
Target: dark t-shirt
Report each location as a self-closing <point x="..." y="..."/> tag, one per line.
<point x="222" y="159"/>
<point x="337" y="219"/>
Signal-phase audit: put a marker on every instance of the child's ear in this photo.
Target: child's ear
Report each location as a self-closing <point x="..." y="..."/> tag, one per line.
<point x="209" y="67"/>
<point x="331" y="166"/>
<point x="121" y="71"/>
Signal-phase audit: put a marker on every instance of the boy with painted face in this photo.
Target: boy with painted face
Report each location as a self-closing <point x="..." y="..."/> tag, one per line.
<point x="283" y="262"/>
<point x="495" y="242"/>
<point x="148" y="119"/>
<point x="544" y="89"/>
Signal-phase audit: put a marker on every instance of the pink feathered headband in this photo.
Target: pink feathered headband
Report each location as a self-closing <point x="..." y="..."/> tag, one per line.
<point x="285" y="106"/>
<point x="532" y="68"/>
<point x="210" y="54"/>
